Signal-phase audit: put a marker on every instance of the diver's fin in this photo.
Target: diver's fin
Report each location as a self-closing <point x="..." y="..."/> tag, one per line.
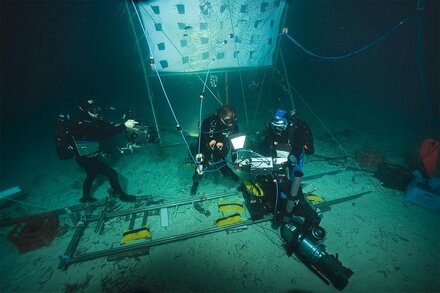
<point x="232" y="219"/>
<point x="315" y="198"/>
<point x="228" y="207"/>
<point x="135" y="234"/>
<point x="253" y="188"/>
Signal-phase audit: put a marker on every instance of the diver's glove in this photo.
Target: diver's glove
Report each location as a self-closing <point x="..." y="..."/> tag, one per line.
<point x="130" y="123"/>
<point x="212" y="144"/>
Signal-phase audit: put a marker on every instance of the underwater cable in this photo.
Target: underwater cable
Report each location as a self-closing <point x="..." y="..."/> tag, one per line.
<point x="202" y="97"/>
<point x="215" y="167"/>
<point x="361" y="49"/>
<point x="179" y="128"/>
<point x="276" y="201"/>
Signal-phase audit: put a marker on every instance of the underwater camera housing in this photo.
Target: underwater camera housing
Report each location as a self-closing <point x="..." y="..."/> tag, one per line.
<point x="308" y="247"/>
<point x="139" y="135"/>
<point x="142" y="134"/>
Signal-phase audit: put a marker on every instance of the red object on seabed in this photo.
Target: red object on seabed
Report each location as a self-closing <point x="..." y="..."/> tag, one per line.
<point x="429" y="155"/>
<point x="34" y="232"/>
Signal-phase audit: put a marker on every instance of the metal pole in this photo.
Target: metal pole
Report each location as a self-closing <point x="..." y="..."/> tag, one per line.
<point x="144" y="69"/>
<point x="226" y="87"/>
<point x="166" y="240"/>
<point x="65" y="259"/>
<point x="279" y="39"/>
<point x="160" y="206"/>
<point x="100" y="225"/>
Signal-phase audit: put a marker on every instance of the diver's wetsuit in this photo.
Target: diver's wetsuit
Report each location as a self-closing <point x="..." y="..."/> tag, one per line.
<point x="303" y="208"/>
<point x="86" y="127"/>
<point x="297" y="140"/>
<point x="213" y="129"/>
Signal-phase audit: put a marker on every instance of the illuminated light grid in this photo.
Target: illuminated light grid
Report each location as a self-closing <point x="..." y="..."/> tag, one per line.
<point x="197" y="35"/>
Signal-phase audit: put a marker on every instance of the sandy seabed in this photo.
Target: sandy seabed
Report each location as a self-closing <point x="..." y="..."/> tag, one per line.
<point x="391" y="245"/>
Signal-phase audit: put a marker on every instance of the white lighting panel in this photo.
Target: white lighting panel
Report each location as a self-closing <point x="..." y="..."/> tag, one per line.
<point x="195" y="35"/>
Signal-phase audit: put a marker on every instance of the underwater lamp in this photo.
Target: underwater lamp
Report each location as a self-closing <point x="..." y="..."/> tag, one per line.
<point x="237" y="140"/>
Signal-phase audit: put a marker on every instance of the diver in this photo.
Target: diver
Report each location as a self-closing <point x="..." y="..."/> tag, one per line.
<point x="291" y="138"/>
<point x="87" y="130"/>
<point x="214" y="144"/>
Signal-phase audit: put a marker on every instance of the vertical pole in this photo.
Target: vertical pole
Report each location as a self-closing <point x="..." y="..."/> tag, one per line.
<point x="286" y="9"/>
<point x="226" y="87"/>
<point x="279" y="51"/>
<point x="144" y="69"/>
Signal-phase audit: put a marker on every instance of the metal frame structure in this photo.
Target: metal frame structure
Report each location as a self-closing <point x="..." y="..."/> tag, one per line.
<point x="69" y="256"/>
<point x="138" y="249"/>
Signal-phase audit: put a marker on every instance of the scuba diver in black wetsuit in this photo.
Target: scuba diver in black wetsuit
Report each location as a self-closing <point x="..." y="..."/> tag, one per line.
<point x="214" y="144"/>
<point x="88" y="128"/>
<point x="290" y="138"/>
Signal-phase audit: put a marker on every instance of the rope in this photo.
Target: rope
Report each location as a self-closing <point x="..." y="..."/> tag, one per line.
<point x="287" y="80"/>
<point x="326" y="129"/>
<point x="200" y="124"/>
<point x="238" y="67"/>
<point x="166" y="95"/>
<point x="144" y="69"/>
<point x="361" y="49"/>
<point x="259" y="98"/>
<point x="179" y="128"/>
<point x="178" y="51"/>
<point x="200" y="111"/>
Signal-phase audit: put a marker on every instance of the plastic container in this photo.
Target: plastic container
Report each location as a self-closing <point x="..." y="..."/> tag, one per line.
<point x="424" y="192"/>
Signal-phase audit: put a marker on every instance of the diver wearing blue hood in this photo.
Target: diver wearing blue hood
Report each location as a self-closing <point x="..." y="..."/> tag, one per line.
<point x="291" y="138"/>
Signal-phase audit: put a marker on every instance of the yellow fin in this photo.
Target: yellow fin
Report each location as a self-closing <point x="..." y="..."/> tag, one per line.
<point x="228" y="207"/>
<point x="315" y="198"/>
<point x="253" y="188"/>
<point x="235" y="218"/>
<point x="130" y="235"/>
